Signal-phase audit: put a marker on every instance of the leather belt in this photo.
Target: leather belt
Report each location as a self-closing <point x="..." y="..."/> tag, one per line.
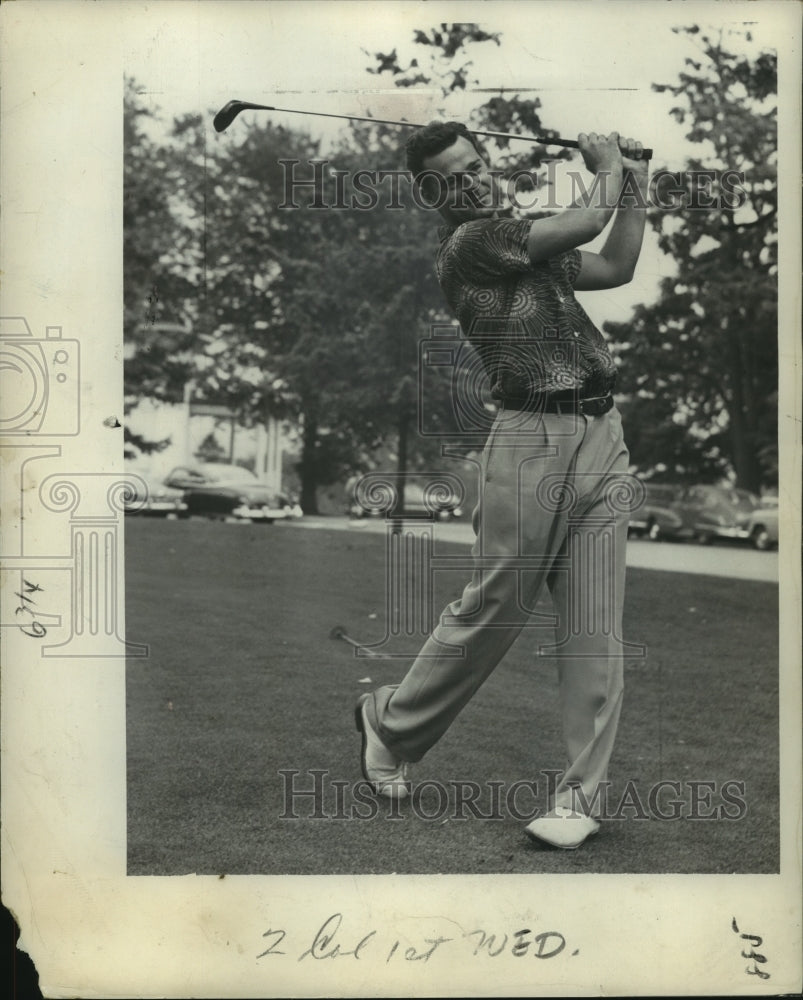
<point x="592" y="406"/>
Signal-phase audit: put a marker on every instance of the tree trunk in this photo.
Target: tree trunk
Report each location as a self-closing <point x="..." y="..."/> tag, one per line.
<point x="742" y="429"/>
<point x="742" y="409"/>
<point x="307" y="467"/>
<point x="743" y="452"/>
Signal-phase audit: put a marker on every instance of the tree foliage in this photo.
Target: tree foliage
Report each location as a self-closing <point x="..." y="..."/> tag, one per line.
<point x="158" y="283"/>
<point x="446" y="42"/>
<point x="316" y="315"/>
<point x="700" y="364"/>
<point x="309" y="314"/>
<point x="446" y="62"/>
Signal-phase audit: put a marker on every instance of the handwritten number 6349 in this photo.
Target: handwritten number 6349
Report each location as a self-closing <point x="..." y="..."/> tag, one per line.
<point x="34" y="628"/>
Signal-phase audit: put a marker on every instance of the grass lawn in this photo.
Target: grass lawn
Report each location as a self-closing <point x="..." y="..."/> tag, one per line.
<point x="243" y="682"/>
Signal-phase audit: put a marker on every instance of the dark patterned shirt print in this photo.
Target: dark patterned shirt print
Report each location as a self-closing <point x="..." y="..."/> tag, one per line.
<point x="523" y="319"/>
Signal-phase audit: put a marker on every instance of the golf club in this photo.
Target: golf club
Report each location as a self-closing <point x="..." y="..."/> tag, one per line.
<point x="229" y="112"/>
<point x="338" y="632"/>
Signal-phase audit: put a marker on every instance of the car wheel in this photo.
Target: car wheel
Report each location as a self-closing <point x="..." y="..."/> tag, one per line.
<point x="761" y="538"/>
<point x="704" y="538"/>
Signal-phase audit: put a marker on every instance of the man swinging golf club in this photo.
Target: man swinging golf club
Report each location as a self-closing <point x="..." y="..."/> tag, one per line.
<point x="548" y="468"/>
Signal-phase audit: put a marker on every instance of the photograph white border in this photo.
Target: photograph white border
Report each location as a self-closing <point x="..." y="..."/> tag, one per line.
<point x="91" y="930"/>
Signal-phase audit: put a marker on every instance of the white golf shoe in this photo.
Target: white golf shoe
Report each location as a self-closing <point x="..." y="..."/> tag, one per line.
<point x="562" y="827"/>
<point x="386" y="773"/>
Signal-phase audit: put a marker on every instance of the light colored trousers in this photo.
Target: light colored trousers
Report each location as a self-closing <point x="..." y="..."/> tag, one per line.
<point x="553" y="510"/>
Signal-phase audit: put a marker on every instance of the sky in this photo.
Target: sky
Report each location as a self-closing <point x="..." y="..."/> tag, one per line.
<point x="590" y="63"/>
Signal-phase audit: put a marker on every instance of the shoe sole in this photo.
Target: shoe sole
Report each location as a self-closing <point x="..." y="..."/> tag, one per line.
<point x="563" y="847"/>
<point x="359" y="721"/>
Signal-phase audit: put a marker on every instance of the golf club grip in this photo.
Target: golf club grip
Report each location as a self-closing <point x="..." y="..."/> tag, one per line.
<point x="646" y="153"/>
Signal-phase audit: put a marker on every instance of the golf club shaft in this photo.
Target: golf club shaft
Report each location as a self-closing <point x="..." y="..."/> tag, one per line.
<point x="229" y="112"/>
<point x="338" y="632"/>
<point x="359" y="646"/>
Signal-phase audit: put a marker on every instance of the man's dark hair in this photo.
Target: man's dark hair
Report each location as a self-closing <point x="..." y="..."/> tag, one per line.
<point x="433" y="139"/>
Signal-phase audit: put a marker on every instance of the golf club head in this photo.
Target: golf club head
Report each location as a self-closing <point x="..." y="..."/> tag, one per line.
<point x="229" y="112"/>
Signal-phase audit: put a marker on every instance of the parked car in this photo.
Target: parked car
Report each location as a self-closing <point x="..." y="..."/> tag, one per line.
<point x="707" y="513"/>
<point x="761" y="526"/>
<point x="214" y="489"/>
<point x="655" y="517"/>
<point x="151" y="496"/>
<point x="445" y="508"/>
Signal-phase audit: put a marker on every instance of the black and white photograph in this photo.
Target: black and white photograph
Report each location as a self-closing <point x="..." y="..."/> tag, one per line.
<point x="401" y="501"/>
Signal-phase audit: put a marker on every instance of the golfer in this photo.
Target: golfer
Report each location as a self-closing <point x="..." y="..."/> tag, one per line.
<point x="547" y="514"/>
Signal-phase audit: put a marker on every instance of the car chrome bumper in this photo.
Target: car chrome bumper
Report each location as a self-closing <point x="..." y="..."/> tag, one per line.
<point x="158" y="507"/>
<point x="263" y="513"/>
<point x="726" y="532"/>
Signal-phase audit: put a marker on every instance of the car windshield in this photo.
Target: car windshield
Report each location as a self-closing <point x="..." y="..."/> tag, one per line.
<point x="731" y="496"/>
<point x="744" y="499"/>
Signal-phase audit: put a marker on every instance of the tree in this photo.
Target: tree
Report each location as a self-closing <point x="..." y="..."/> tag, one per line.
<point x="446" y="42"/>
<point x="157" y="284"/>
<point x="312" y="315"/>
<point x="447" y="64"/>
<point x="700" y="364"/>
<point x="288" y="307"/>
<point x="200" y="317"/>
<point x="354" y="306"/>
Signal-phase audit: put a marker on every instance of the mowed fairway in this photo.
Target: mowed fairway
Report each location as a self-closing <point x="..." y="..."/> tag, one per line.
<point x="243" y="682"/>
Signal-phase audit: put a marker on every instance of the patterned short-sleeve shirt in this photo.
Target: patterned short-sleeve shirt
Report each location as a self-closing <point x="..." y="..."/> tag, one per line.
<point x="532" y="334"/>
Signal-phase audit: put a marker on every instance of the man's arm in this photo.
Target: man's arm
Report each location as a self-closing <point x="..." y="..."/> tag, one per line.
<point x="615" y="263"/>
<point x="582" y="223"/>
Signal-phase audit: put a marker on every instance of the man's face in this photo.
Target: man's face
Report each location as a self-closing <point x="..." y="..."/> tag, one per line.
<point x="470" y="191"/>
